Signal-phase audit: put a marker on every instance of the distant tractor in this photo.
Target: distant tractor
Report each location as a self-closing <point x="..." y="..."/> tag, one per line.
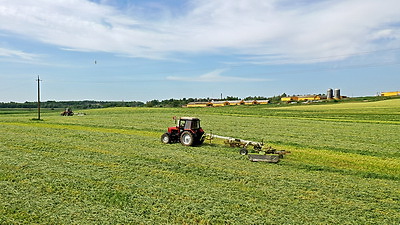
<point x="187" y="131"/>
<point x="67" y="112"/>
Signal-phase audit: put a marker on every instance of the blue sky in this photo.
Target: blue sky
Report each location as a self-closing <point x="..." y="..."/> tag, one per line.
<point x="152" y="49"/>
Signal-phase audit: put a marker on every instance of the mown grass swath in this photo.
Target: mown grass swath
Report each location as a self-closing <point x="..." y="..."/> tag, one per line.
<point x="110" y="167"/>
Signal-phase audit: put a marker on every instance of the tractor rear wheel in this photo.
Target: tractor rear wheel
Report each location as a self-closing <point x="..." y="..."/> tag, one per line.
<point x="187" y="138"/>
<point x="165" y="138"/>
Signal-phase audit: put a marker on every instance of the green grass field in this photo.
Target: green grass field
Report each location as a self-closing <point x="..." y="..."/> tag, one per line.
<point x="109" y="167"/>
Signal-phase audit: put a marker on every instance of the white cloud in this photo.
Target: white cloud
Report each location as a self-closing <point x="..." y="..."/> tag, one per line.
<point x="10" y="53"/>
<point x="78" y="25"/>
<point x="270" y="31"/>
<point x="214" y="76"/>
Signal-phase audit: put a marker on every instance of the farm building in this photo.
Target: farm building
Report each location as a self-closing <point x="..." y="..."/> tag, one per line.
<point x="198" y="104"/>
<point x="225" y="103"/>
<point x="251" y="102"/>
<point x="262" y="102"/>
<point x="309" y="98"/>
<point x="303" y="98"/>
<point x="289" y="99"/>
<point x="238" y="102"/>
<point x="219" y="103"/>
<point x="392" y="93"/>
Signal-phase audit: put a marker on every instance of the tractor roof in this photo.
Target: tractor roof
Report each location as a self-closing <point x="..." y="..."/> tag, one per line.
<point x="189" y="118"/>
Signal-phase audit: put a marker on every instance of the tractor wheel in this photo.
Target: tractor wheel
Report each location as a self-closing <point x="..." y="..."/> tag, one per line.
<point x="187" y="138"/>
<point x="165" y="138"/>
<point x="243" y="151"/>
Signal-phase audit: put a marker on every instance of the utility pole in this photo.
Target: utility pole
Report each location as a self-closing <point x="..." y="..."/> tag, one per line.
<point x="38" y="88"/>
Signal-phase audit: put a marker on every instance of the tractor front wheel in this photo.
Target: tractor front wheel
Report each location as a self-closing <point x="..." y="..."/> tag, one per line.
<point x="165" y="138"/>
<point x="187" y="138"/>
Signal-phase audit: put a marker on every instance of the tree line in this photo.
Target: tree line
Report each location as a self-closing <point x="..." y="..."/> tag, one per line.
<point x="72" y="104"/>
<point x="92" y="104"/>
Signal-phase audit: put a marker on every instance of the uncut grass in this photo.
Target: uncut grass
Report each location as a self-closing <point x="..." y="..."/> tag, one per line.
<point x="80" y="171"/>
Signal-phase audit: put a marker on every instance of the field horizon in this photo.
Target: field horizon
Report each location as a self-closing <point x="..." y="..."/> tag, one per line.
<point x="109" y="166"/>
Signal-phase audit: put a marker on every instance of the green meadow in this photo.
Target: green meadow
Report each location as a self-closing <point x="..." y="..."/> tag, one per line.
<point x="109" y="166"/>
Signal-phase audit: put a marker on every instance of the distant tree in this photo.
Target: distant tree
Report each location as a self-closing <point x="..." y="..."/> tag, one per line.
<point x="255" y="98"/>
<point x="152" y="103"/>
<point x="231" y="98"/>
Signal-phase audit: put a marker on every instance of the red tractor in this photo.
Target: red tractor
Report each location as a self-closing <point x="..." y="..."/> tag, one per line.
<point x="187" y="131"/>
<point x="67" y="112"/>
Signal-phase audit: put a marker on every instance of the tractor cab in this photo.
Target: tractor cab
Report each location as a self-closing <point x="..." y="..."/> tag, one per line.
<point x="189" y="123"/>
<point x="187" y="131"/>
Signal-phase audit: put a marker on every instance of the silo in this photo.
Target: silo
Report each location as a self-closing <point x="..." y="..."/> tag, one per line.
<point x="337" y="94"/>
<point x="329" y="93"/>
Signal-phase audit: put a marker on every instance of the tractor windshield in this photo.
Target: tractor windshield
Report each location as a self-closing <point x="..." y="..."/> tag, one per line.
<point x="195" y="124"/>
